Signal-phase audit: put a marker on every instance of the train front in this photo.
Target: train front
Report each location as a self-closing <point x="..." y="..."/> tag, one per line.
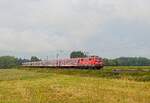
<point x="94" y="62"/>
<point x="99" y="62"/>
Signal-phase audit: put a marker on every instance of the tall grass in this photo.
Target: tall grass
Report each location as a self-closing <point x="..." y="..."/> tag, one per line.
<point x="69" y="86"/>
<point x="106" y="72"/>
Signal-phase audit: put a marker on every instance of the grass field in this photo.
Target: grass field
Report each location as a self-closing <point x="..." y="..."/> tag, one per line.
<point x="74" y="86"/>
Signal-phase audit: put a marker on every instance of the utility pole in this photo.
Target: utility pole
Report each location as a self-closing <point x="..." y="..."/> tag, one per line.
<point x="57" y="57"/>
<point x="47" y="58"/>
<point x="86" y="53"/>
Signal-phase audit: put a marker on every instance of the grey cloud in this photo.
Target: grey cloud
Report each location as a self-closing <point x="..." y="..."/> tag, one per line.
<point x="47" y="25"/>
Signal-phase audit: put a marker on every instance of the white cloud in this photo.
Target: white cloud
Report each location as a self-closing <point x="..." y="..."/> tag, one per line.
<point x="44" y="25"/>
<point x="29" y="41"/>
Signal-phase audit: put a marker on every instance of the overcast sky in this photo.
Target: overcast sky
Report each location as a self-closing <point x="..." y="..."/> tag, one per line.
<point x="108" y="28"/>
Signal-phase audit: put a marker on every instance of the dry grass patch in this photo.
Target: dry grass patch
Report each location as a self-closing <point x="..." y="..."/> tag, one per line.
<point x="58" y="88"/>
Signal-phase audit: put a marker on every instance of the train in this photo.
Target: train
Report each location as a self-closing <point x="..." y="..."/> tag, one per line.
<point x="90" y="62"/>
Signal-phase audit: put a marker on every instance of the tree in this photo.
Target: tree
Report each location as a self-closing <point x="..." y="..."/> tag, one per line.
<point x="77" y="54"/>
<point x="34" y="59"/>
<point x="110" y="62"/>
<point x="7" y="62"/>
<point x="20" y="61"/>
<point x="127" y="61"/>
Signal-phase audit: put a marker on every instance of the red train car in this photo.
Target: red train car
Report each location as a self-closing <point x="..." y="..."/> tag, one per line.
<point x="87" y="62"/>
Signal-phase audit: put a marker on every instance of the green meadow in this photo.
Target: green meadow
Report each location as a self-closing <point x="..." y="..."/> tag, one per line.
<point x="34" y="85"/>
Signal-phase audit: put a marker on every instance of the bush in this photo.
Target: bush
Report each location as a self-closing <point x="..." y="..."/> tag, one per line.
<point x="7" y="62"/>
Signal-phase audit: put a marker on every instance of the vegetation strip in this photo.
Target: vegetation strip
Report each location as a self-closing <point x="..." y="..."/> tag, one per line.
<point x="68" y="86"/>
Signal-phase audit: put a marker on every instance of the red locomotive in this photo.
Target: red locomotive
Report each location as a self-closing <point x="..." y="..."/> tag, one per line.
<point x="87" y="62"/>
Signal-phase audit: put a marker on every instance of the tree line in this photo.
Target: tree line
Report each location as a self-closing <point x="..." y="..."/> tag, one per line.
<point x="11" y="61"/>
<point x="127" y="61"/>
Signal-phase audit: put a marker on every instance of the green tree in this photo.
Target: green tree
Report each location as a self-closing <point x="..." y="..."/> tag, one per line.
<point x="77" y="54"/>
<point x="110" y="62"/>
<point x="34" y="59"/>
<point x="7" y="62"/>
<point x="20" y="61"/>
<point x="127" y="61"/>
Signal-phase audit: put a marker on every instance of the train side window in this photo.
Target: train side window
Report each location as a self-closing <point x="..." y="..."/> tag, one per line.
<point x="81" y="59"/>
